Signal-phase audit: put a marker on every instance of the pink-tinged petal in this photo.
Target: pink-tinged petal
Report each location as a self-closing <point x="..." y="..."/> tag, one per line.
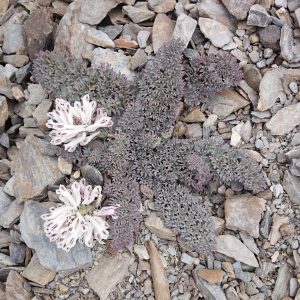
<point x="88" y="139"/>
<point x="108" y="211"/>
<point x="75" y="187"/>
<point x="72" y="145"/>
<point x="66" y="196"/>
<point x="96" y="192"/>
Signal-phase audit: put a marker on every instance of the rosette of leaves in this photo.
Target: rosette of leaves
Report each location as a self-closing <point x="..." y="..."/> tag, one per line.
<point x="208" y="75"/>
<point x="65" y="77"/>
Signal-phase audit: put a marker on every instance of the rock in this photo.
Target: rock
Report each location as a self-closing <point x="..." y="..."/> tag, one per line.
<point x="281" y="288"/>
<point x="195" y="116"/>
<point x="50" y="257"/>
<point x="193" y="131"/>
<point x="118" y="61"/>
<point x="141" y="252"/>
<point x="3" y="7"/>
<point x="156" y="226"/>
<point x="92" y="174"/>
<point x="162" y="6"/>
<point x="125" y="44"/>
<point x="142" y="38"/>
<point x="17" y="252"/>
<point x="270" y="36"/>
<point x="285" y="120"/>
<point x="115" y="266"/>
<point x="16" y="60"/>
<point x="3" y="112"/>
<point x="159" y="276"/>
<point x="36" y="94"/>
<point x="112" y="30"/>
<point x="100" y="9"/>
<point x="5" y="239"/>
<point x="249" y="243"/>
<point x="71" y="33"/>
<point x="40" y="113"/>
<point x="217" y="33"/>
<point x="211" y="276"/>
<point x="37" y="30"/>
<point x="275" y="234"/>
<point x="184" y="28"/>
<point x="99" y="38"/>
<point x="291" y="185"/>
<point x="209" y="291"/>
<point x="252" y="76"/>
<point x="225" y="103"/>
<point x="293" y="287"/>
<point x="187" y="259"/>
<point x="232" y="247"/>
<point x="231" y="294"/>
<point x="162" y="31"/>
<point x="295" y="167"/>
<point x="240" y="274"/>
<point x="246" y="131"/>
<point x="64" y="166"/>
<point x="286" y="42"/>
<point x="15" y="287"/>
<point x="9" y="187"/>
<point x="34" y="170"/>
<point x="35" y="272"/>
<point x="5" y="260"/>
<point x="258" y="16"/>
<point x="11" y="215"/>
<point x="13" y="38"/>
<point x="139" y="59"/>
<point x="138" y="13"/>
<point x="238" y="8"/>
<point x="244" y="212"/>
<point x="236" y="138"/>
<point x="214" y="9"/>
<point x="5" y="202"/>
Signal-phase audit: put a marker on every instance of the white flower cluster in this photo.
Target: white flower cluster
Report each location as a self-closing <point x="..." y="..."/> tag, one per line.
<point x="79" y="217"/>
<point x="76" y="125"/>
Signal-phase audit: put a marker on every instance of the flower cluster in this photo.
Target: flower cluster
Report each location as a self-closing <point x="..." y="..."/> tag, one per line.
<point x="76" y="125"/>
<point x="79" y="217"/>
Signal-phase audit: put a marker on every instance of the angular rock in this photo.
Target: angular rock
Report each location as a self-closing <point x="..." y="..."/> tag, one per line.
<point x="162" y="6"/>
<point x="139" y="59"/>
<point x="117" y="268"/>
<point x="285" y="120"/>
<point x="112" y="30"/>
<point x="50" y="257"/>
<point x="99" y="38"/>
<point x="217" y="33"/>
<point x="5" y="239"/>
<point x="17" y="252"/>
<point x="159" y="276"/>
<point x="281" y="289"/>
<point x="36" y="94"/>
<point x="195" y="116"/>
<point x="215" y="10"/>
<point x="286" y="42"/>
<point x="40" y="113"/>
<point x="118" y="61"/>
<point x="226" y="103"/>
<point x="275" y="234"/>
<point x="16" y="60"/>
<point x="244" y="212"/>
<point x="162" y="31"/>
<point x="209" y="291"/>
<point x="34" y="171"/>
<point x="291" y="185"/>
<point x="232" y="247"/>
<point x="184" y="28"/>
<point x="125" y="44"/>
<point x="37" y="31"/>
<point x="142" y="38"/>
<point x="4" y="4"/>
<point x="13" y="38"/>
<point x="270" y="36"/>
<point x="232" y="294"/>
<point x="211" y="276"/>
<point x="295" y="167"/>
<point x="15" y="287"/>
<point x="35" y="272"/>
<point x="249" y="243"/>
<point x="11" y="215"/>
<point x="138" y="13"/>
<point x="70" y="35"/>
<point x="3" y="112"/>
<point x="238" y="8"/>
<point x="252" y="76"/>
<point x="156" y="226"/>
<point x="141" y="252"/>
<point x="258" y="16"/>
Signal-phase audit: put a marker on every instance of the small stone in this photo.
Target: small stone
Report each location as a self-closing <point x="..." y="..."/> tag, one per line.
<point x="193" y="131"/>
<point x="246" y="131"/>
<point x="15" y="287"/>
<point x="286" y="42"/>
<point x="211" y="276"/>
<point x="249" y="242"/>
<point x="92" y="174"/>
<point x="291" y="185"/>
<point x="187" y="259"/>
<point x="138" y="60"/>
<point x="142" y="38"/>
<point x="270" y="36"/>
<point x="232" y="247"/>
<point x="254" y="56"/>
<point x="275" y="234"/>
<point x="3" y="112"/>
<point x="293" y="287"/>
<point x="141" y="252"/>
<point x="236" y="138"/>
<point x="293" y="87"/>
<point x="64" y="166"/>
<point x="238" y="8"/>
<point x="113" y="31"/>
<point x="40" y="113"/>
<point x="162" y="6"/>
<point x="210" y="121"/>
<point x="217" y="33"/>
<point x="3" y="7"/>
<point x="13" y="38"/>
<point x="126" y="44"/>
<point x="195" y="116"/>
<point x="99" y="38"/>
<point x="36" y="94"/>
<point x="16" y="60"/>
<point x="252" y="76"/>
<point x="11" y="215"/>
<point x="258" y="16"/>
<point x="283" y="278"/>
<point x="184" y="28"/>
<point x="232" y="294"/>
<point x="138" y="13"/>
<point x="147" y="287"/>
<point x="285" y="120"/>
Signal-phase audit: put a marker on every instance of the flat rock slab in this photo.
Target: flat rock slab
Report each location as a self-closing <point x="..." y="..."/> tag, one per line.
<point x="243" y="213"/>
<point x="232" y="247"/>
<point x="34" y="171"/>
<point x="15" y="289"/>
<point x="108" y="273"/>
<point x="50" y="257"/>
<point x="238" y="8"/>
<point x="291" y="185"/>
<point x="285" y="120"/>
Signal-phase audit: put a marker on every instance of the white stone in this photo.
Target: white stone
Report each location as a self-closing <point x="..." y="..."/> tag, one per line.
<point x="141" y="252"/>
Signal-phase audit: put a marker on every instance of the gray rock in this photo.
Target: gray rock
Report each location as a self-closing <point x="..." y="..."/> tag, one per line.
<point x="115" y="266"/>
<point x="231" y="294"/>
<point x="293" y="287"/>
<point x="162" y="6"/>
<point x="293" y="5"/>
<point x="291" y="185"/>
<point x="296" y="139"/>
<point x="238" y="8"/>
<point x="40" y="113"/>
<point x="295" y="167"/>
<point x="17" y="252"/>
<point x="142" y="38"/>
<point x="252" y="76"/>
<point x="194" y="131"/>
<point x="36" y="94"/>
<point x="5" y="201"/>
<point x="217" y="33"/>
<point x="286" y="42"/>
<point x="34" y="171"/>
<point x="13" y="38"/>
<point x="240" y="274"/>
<point x="99" y="38"/>
<point x="258" y="16"/>
<point x="138" y="13"/>
<point x="50" y="257"/>
<point x="118" y="61"/>
<point x="11" y="215"/>
<point x="281" y="288"/>
<point x="209" y="291"/>
<point x="139" y="59"/>
<point x="270" y="36"/>
<point x="249" y="242"/>
<point x="92" y="174"/>
<point x="112" y="30"/>
<point x="22" y="73"/>
<point x="3" y="112"/>
<point x="184" y="28"/>
<point x="16" y="60"/>
<point x="266" y="224"/>
<point x="285" y="120"/>
<point x="16" y="287"/>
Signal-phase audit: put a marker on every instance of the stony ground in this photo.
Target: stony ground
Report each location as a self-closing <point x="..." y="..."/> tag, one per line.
<point x="258" y="254"/>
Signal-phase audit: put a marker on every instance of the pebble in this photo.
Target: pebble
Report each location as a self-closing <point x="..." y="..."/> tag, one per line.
<point x="187" y="259"/>
<point x="258" y="16"/>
